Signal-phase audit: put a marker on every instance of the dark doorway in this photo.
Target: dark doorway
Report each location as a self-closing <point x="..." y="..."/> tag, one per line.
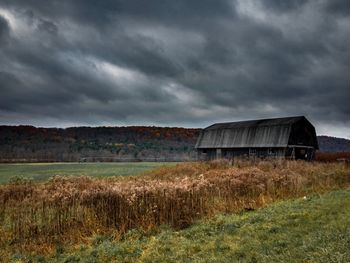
<point x="301" y="154"/>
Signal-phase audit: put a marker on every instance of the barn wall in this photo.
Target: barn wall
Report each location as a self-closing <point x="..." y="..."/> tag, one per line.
<point x="231" y="153"/>
<point x="300" y="153"/>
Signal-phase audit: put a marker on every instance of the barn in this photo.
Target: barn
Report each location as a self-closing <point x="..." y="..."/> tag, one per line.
<point x="289" y="137"/>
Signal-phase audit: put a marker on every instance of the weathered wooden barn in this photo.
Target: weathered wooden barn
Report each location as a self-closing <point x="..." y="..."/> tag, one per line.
<point x="291" y="137"/>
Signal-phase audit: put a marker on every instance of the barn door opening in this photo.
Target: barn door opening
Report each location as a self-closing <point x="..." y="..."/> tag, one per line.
<point x="301" y="154"/>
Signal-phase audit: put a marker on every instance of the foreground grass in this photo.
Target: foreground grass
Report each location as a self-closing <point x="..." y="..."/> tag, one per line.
<point x="69" y="211"/>
<point x="311" y="229"/>
<point x="43" y="171"/>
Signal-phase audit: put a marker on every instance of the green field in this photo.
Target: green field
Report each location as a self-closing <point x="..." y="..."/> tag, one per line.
<point x="43" y="171"/>
<point x="312" y="229"/>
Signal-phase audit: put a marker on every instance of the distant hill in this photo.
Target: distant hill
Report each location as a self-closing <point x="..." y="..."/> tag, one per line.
<point x="134" y="143"/>
<point x="333" y="144"/>
<point x="31" y="144"/>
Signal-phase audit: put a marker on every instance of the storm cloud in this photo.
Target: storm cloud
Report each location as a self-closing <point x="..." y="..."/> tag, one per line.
<point x="174" y="63"/>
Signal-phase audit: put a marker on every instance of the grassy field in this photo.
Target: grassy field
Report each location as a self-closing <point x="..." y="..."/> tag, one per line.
<point x="139" y="218"/>
<point x="311" y="229"/>
<point x="43" y="171"/>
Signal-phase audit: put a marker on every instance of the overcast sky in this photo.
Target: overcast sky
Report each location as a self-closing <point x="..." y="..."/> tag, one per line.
<point x="174" y="63"/>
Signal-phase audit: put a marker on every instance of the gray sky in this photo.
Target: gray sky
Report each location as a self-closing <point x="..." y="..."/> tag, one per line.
<point x="174" y="63"/>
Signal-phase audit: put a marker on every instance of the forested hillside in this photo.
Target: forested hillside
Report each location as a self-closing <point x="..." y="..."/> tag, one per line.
<point x="333" y="144"/>
<point x="134" y="143"/>
<point x="27" y="143"/>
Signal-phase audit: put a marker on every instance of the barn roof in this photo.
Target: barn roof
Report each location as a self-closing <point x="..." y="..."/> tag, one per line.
<point x="253" y="133"/>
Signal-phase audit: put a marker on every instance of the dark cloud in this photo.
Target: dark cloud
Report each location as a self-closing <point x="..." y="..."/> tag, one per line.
<point x="341" y="7"/>
<point x="171" y="62"/>
<point x="47" y="26"/>
<point x="4" y="31"/>
<point x="282" y="5"/>
<point x="102" y="13"/>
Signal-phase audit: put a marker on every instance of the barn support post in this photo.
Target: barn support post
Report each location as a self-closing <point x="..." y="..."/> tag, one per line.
<point x="293" y="153"/>
<point x="312" y="155"/>
<point x="218" y="153"/>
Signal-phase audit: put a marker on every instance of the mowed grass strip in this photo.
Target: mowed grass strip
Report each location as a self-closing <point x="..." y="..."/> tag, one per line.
<point x="43" y="171"/>
<point x="311" y="229"/>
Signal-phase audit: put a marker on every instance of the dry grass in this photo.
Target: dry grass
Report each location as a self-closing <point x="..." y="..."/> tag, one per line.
<point x="333" y="156"/>
<point x="38" y="216"/>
